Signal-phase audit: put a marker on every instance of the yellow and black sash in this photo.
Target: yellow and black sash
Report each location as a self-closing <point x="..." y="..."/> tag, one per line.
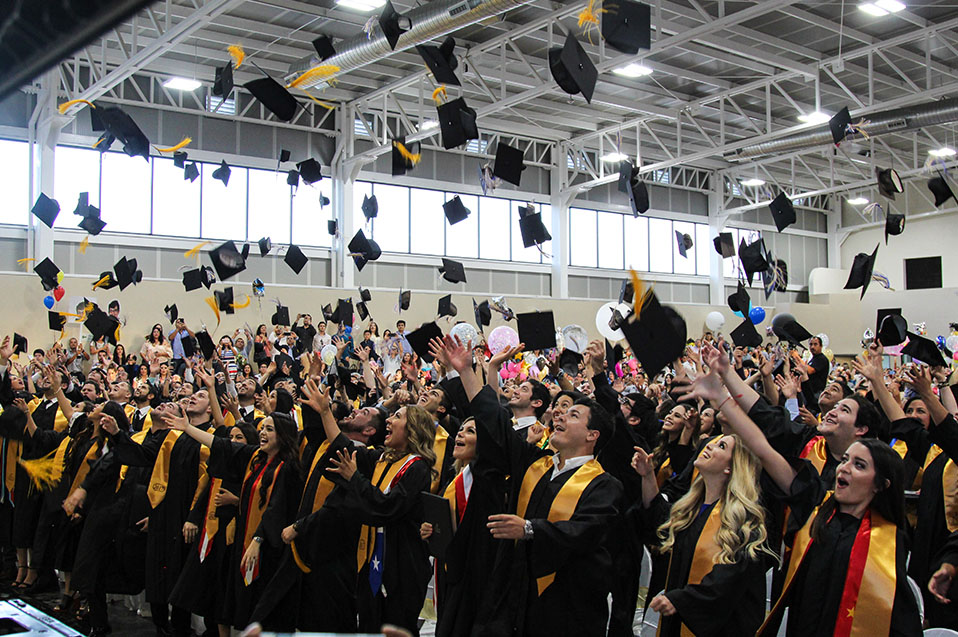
<point x="60" y="422"/>
<point x="211" y="522"/>
<point x="160" y="478"/>
<point x="385" y="476"/>
<point x="565" y="502"/>
<point x="254" y="512"/>
<point x="703" y="559"/>
<point x="816" y="452"/>
<point x="138" y="438"/>
<point x="323" y="489"/>
<point x="439" y="445"/>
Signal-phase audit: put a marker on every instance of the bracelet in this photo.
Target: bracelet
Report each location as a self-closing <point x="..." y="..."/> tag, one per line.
<point x="727" y="398"/>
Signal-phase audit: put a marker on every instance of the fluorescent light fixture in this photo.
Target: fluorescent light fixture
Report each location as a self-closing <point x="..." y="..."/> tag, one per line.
<point x="614" y="157"/>
<point x="361" y="5"/>
<point x="872" y="9"/>
<point x="858" y="201"/>
<point x="428" y="124"/>
<point x="633" y="70"/>
<point x="753" y="182"/>
<point x="944" y="151"/>
<point x="815" y="117"/>
<point x="891" y="6"/>
<point x="182" y="84"/>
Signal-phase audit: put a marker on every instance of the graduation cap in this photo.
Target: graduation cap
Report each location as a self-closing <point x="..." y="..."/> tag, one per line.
<point x="244" y="252"/>
<point x="924" y="350"/>
<point x="441" y="60"/>
<point x="569" y="361"/>
<point x="323" y="201"/>
<point x="344" y="312"/>
<point x="363" y="310"/>
<point x="684" y="242"/>
<point x="775" y="278"/>
<point x="126" y="272"/>
<point x="861" y="272"/>
<point x="363" y="250"/>
<point x="295" y="259"/>
<point x="508" y="165"/>
<point x="370" y="207"/>
<point x="892" y="330"/>
<point x="419" y="340"/>
<point x="403" y="161"/>
<point x="93" y="225"/>
<point x="745" y="335"/>
<point x="199" y="277"/>
<point x="224" y="300"/>
<point x="838" y="124"/>
<point x="280" y="316"/>
<point x="404" y="298"/>
<point x="179" y="158"/>
<point x="274" y="97"/>
<point x="227" y="260"/>
<point x="171" y="313"/>
<point x="116" y="124"/>
<point x="939" y="187"/>
<point x="83" y="205"/>
<point x="328" y="314"/>
<point x="783" y="213"/>
<point x="572" y="69"/>
<point x="310" y="171"/>
<point x="46" y="210"/>
<point x="191" y="172"/>
<point x="345" y="376"/>
<point x="19" y="344"/>
<point x="457" y="123"/>
<point x="752" y="257"/>
<point x="626" y="26"/>
<point x="638" y="193"/>
<point x="789" y="329"/>
<point x="657" y="337"/>
<point x="331" y="227"/>
<point x="482" y="313"/>
<point x="894" y="225"/>
<point x="324" y="47"/>
<point x="101" y="324"/>
<point x="292" y="178"/>
<point x="284" y="156"/>
<point x="452" y="271"/>
<point x="447" y="307"/>
<point x="889" y="182"/>
<point x="613" y="354"/>
<point x="56" y="321"/>
<point x="537" y="330"/>
<point x="265" y="245"/>
<point x="109" y="281"/>
<point x="48" y="272"/>
<point x="223" y="80"/>
<point x="724" y="244"/>
<point x="223" y="173"/>
<point x="206" y="344"/>
<point x="531" y="228"/>
<point x="455" y="210"/>
<point x="626" y="292"/>
<point x="393" y="24"/>
<point x="365" y="295"/>
<point x="739" y="301"/>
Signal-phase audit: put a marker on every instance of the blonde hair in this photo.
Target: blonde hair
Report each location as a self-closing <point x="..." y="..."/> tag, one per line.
<point x="420" y="436"/>
<point x="742" y="531"/>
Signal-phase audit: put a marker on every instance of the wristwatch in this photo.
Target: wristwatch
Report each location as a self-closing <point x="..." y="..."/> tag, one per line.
<point x="528" y="533"/>
<point x="257" y="539"/>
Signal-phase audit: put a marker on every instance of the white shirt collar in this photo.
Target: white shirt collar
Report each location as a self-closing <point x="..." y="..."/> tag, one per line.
<point x="143" y="411"/>
<point x="522" y="423"/>
<point x="570" y="464"/>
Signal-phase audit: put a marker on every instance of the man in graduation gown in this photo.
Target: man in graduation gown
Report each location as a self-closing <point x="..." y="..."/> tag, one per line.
<point x="435" y="401"/>
<point x="552" y="571"/>
<point x="246" y="392"/>
<point x="140" y="417"/>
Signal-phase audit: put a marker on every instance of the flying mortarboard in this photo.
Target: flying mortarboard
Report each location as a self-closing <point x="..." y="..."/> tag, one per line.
<point x="362" y="310"/>
<point x="457" y="123"/>
<point x="447" y="307"/>
<point x="126" y="272"/>
<point x="109" y="281"/>
<point x="752" y="257"/>
<point x="861" y="273"/>
<point x="531" y="228"/>
<point x="657" y="337"/>
<point x="783" y="213"/>
<point x="19" y="344"/>
<point x="482" y="313"/>
<point x="244" y="252"/>
<point x="403" y="162"/>
<point x="223" y="80"/>
<point x="452" y="271"/>
<point x="265" y="245"/>
<point x="310" y="171"/>
<point x="331" y="227"/>
<point x="939" y="187"/>
<point x="572" y="69"/>
<point x="179" y="158"/>
<point x="739" y="301"/>
<point x="295" y="259"/>
<point x="838" y="124"/>
<point x="280" y="316"/>
<point x="892" y="330"/>
<point x="420" y="337"/>
<point x="894" y="225"/>
<point x="46" y="210"/>
<point x="101" y="324"/>
<point x="227" y="260"/>
<point x="198" y="277"/>
<point x="775" y="278"/>
<point x="171" y="313"/>
<point x="724" y="244"/>
<point x="274" y="97"/>
<point x="365" y="295"/>
<point x="790" y="330"/>
<point x="56" y="321"/>
<point x="223" y="173"/>
<point x="191" y="172"/>
<point x="344" y="312"/>
<point x="537" y="330"/>
<point x="370" y="207"/>
<point x="404" y="298"/>
<point x="889" y="183"/>
<point x="93" y="225"/>
<point x="638" y="193"/>
<point x="924" y="350"/>
<point x="224" y="300"/>
<point x="83" y="205"/>
<point x="393" y="24"/>
<point x="441" y="60"/>
<point x="206" y="344"/>
<point x="508" y="165"/>
<point x="363" y="250"/>
<point x="745" y="335"/>
<point x="292" y="178"/>
<point x="48" y="272"/>
<point x="626" y="26"/>
<point x="117" y="124"/>
<point x="328" y="314"/>
<point x="684" y="242"/>
<point x="324" y="47"/>
<point x="626" y="292"/>
<point x="284" y="156"/>
<point x="455" y="210"/>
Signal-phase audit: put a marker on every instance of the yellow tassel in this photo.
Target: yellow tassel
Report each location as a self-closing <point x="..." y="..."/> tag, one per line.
<point x="211" y="301"/>
<point x="87" y="309"/>
<point x="45" y="472"/>
<point x="411" y="157"/>
<point x="439" y="95"/>
<point x="237" y="53"/>
<point x="116" y="334"/>
<point x="172" y="149"/>
<point x="98" y="142"/>
<point x="63" y="108"/>
<point x="323" y="72"/>
<point x="326" y="105"/>
<point x="106" y="279"/>
<point x="589" y="18"/>
<point x="640" y="292"/>
<point x="195" y="250"/>
<point x="240" y="306"/>
<point x="84" y="245"/>
<point x="25" y="262"/>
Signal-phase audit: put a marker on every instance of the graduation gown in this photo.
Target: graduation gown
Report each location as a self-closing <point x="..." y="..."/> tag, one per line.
<point x="26" y="497"/>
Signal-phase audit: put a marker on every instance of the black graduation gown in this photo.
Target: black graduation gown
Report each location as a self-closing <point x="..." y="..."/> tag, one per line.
<point x="576" y="601"/>
<point x="27" y="498"/>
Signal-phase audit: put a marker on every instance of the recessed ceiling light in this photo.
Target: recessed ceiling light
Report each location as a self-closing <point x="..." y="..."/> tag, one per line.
<point x="633" y="70"/>
<point x="361" y="5"/>
<point x="944" y="151"/>
<point x="872" y="9"/>
<point x="614" y="157"/>
<point x="858" y="201"/>
<point x="182" y="84"/>
<point x="753" y="182"/>
<point x="815" y="117"/>
<point x="891" y="6"/>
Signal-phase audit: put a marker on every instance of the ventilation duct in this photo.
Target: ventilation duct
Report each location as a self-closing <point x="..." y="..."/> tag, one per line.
<point x="428" y="22"/>
<point x="893" y="121"/>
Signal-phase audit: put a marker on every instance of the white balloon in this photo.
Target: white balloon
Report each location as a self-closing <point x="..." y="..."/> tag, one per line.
<point x="466" y="333"/>
<point x="714" y="321"/>
<point x="952" y="342"/>
<point x="823" y="337"/>
<point x="602" y="317"/>
<point x="576" y="338"/>
<point x="328" y="354"/>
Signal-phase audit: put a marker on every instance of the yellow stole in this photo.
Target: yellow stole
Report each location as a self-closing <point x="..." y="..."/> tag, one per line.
<point x="211" y="522"/>
<point x="148" y="422"/>
<point x="299" y="417"/>
<point x="869" y="582"/>
<point x="129" y="410"/>
<point x="138" y="438"/>
<point x="9" y="454"/>
<point x="84" y="469"/>
<point x="160" y="478"/>
<point x="439" y="446"/>
<point x="60" y="422"/>
<point x="565" y="502"/>
<point x="450" y="495"/>
<point x="254" y="512"/>
<point x="816" y="452"/>
<point x="364" y="549"/>
<point x="323" y="489"/>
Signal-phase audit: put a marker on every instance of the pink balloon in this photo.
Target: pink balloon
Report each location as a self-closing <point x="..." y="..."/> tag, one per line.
<point x="502" y="338"/>
<point x="895" y="350"/>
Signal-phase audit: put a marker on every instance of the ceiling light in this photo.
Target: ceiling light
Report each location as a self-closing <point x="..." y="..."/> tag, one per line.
<point x="872" y="9"/>
<point x="815" y="117"/>
<point x="361" y="5"/>
<point x="753" y="182"/>
<point x="891" y="6"/>
<point x="182" y="84"/>
<point x="428" y="124"/>
<point x="633" y="70"/>
<point x="614" y="157"/>
<point x="858" y="201"/>
<point x="944" y="151"/>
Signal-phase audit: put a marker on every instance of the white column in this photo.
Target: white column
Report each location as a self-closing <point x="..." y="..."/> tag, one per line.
<point x="833" y="223"/>
<point x="560" y="224"/>
<point x="344" y="271"/>
<point x="716" y="225"/>
<point x="45" y="133"/>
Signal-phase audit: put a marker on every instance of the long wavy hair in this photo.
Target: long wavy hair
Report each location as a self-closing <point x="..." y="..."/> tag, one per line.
<point x="742" y="533"/>
<point x="420" y="436"/>
<point x="661" y="451"/>
<point x="288" y="452"/>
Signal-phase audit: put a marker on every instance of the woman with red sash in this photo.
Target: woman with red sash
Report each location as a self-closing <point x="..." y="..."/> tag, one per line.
<point x="272" y="481"/>
<point x="846" y="567"/>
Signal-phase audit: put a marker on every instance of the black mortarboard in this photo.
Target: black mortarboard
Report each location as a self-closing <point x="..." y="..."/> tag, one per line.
<point x="452" y="271"/>
<point x="284" y="156"/>
<point x="569" y="361"/>
<point x="441" y="60"/>
<point x="179" y="158"/>
<point x="189" y="348"/>
<point x="752" y="257"/>
<point x="56" y="321"/>
<point x="244" y="252"/>
<point x="295" y="259"/>
<point x="345" y="375"/>
<point x="745" y="335"/>
<point x="19" y="344"/>
<point x="328" y="314"/>
<point x="280" y="316"/>
<point x="370" y="207"/>
<point x="791" y="331"/>
<point x="344" y="312"/>
<point x="536" y="329"/>
<point x="724" y="244"/>
<point x="393" y="24"/>
<point x="508" y="165"/>
<point x="572" y="69"/>
<point x="265" y="245"/>
<point x="838" y="124"/>
<point x="223" y="173"/>
<point x="638" y="193"/>
<point x="531" y="228"/>
<point x="194" y="279"/>
<point x="739" y="301"/>
<point x="223" y="80"/>
<point x="684" y="242"/>
<point x="171" y="313"/>
<point x="48" y="272"/>
<point x="118" y="125"/>
<point x="775" y="278"/>
<point x="331" y="227"/>
<point x="365" y="295"/>
<point x="191" y="172"/>
<point x="206" y="344"/>
<point x="924" y="350"/>
<point x="110" y="281"/>
<point x="447" y="307"/>
<point x="227" y="260"/>
<point x="613" y="354"/>
<point x="274" y="97"/>
<point x="362" y="310"/>
<point x="939" y="187"/>
<point x="626" y="292"/>
<point x="101" y="324"/>
<point x="657" y="337"/>
<point x="783" y="213"/>
<point x="310" y="171"/>
<point x="892" y="330"/>
<point x="457" y="123"/>
<point x="362" y="250"/>
<point x="894" y="225"/>
<point x="323" y="201"/>
<point x="292" y="178"/>
<point x="889" y="183"/>
<point x="861" y="273"/>
<point x="224" y="300"/>
<point x="482" y="313"/>
<point x="404" y="298"/>
<point x="419" y="340"/>
<point x="626" y="26"/>
<point x="324" y="47"/>
<point x="83" y="205"/>
<point x="46" y="210"/>
<point x="126" y="273"/>
<point x="400" y="162"/>
<point x="93" y="225"/>
<point x="455" y="210"/>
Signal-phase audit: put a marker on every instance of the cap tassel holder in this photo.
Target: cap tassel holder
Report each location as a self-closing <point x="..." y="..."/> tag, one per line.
<point x="439" y="95"/>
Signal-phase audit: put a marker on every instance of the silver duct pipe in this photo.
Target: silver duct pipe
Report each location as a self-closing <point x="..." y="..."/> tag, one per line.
<point x="432" y="20"/>
<point x="896" y="120"/>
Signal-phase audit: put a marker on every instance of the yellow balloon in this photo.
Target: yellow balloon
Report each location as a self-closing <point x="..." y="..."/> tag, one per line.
<point x="60" y="276"/>
<point x="828" y="354"/>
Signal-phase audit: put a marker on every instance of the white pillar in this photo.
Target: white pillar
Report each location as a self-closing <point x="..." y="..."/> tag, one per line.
<point x="560" y="224"/>
<point x="833" y="221"/>
<point x="46" y="132"/>
<point x="344" y="271"/>
<point x="716" y="225"/>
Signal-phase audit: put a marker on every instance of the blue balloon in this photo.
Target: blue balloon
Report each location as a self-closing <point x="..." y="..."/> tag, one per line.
<point x="757" y="315"/>
<point x="48" y="301"/>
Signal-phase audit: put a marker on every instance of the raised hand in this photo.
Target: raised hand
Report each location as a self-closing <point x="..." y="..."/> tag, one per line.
<point x="708" y="387"/>
<point x="498" y="359"/>
<point x="458" y="356"/>
<point x="715" y="358"/>
<point x="642" y="462"/>
<point x="920" y="379"/>
<point x="6" y="350"/>
<point x="344" y="464"/>
<point x="870" y="368"/>
<point x="788" y="386"/>
<point x="315" y="397"/>
<point x="595" y="355"/>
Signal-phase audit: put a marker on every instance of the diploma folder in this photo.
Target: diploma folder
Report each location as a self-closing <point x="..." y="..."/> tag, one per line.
<point x="438" y="513"/>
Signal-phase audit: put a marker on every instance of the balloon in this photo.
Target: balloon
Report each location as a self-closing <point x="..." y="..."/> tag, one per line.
<point x="940" y="340"/>
<point x="328" y="354"/>
<point x="603" y="317"/>
<point x="895" y="350"/>
<point x="48" y="301"/>
<point x="714" y="321"/>
<point x="60" y="276"/>
<point x="530" y="358"/>
<point x="756" y="315"/>
<point x="466" y="333"/>
<point x="823" y="337"/>
<point x="779" y="321"/>
<point x="502" y="338"/>
<point x="560" y="341"/>
<point x="806" y="355"/>
<point x="828" y="354"/>
<point x="58" y="292"/>
<point x="259" y="288"/>
<point x="575" y="337"/>
<point x="952" y="342"/>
